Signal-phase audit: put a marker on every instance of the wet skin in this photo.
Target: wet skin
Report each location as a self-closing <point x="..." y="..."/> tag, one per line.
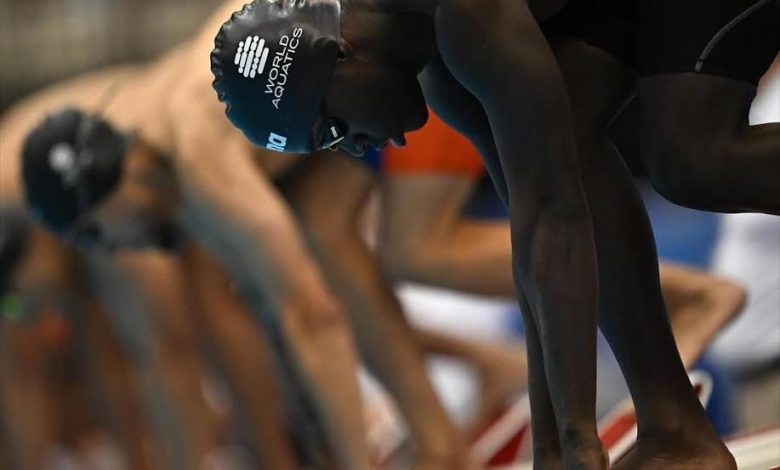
<point x="496" y="79"/>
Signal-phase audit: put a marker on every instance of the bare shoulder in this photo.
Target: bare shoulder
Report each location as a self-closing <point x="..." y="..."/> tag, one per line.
<point x="474" y="19"/>
<point x="542" y="9"/>
<point x="475" y="37"/>
<point x="193" y="111"/>
<point x="466" y="16"/>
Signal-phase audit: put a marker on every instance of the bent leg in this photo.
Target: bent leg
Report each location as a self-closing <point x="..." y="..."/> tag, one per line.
<point x="699" y="148"/>
<point x="632" y="312"/>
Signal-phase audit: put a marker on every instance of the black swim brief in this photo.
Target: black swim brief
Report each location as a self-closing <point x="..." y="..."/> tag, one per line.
<point x="736" y="39"/>
<point x="609" y="25"/>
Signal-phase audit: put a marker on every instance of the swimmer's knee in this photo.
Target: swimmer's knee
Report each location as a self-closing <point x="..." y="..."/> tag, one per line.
<point x="671" y="182"/>
<point x="683" y="167"/>
<point x="663" y="175"/>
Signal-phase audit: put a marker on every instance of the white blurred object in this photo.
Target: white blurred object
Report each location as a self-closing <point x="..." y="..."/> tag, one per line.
<point x="749" y="252"/>
<point x="757" y="451"/>
<point x="469" y="316"/>
<point x="766" y="106"/>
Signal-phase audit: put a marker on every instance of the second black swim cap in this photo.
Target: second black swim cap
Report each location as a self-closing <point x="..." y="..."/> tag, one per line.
<point x="272" y="64"/>
<point x="70" y="162"/>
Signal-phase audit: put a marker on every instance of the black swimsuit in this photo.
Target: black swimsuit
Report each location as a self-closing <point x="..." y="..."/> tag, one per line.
<point x="609" y="25"/>
<point x="736" y="39"/>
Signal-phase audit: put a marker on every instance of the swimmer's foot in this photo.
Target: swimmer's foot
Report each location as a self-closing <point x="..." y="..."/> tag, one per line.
<point x="502" y="372"/>
<point x="677" y="452"/>
<point x="590" y="456"/>
<point x="702" y="311"/>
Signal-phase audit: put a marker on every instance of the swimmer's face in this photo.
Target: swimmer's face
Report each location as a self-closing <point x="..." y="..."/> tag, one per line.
<point x="374" y="90"/>
<point x="377" y="103"/>
<point x="140" y="213"/>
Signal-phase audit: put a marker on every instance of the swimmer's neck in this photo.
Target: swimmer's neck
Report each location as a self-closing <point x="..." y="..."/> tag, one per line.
<point x="423" y="6"/>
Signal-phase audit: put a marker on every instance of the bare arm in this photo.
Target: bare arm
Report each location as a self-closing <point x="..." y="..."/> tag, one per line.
<point x="242" y="352"/>
<point x="235" y="211"/>
<point x="240" y="218"/>
<point x="434" y="244"/>
<point x="161" y="287"/>
<point x="386" y="341"/>
<point x="497" y="51"/>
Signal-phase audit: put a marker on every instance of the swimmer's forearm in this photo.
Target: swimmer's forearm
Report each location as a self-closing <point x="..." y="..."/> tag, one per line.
<point x="527" y="126"/>
<point x="243" y="353"/>
<point x="249" y="229"/>
<point x="241" y="218"/>
<point x="385" y="338"/>
<point x="475" y="257"/>
<point x="526" y="99"/>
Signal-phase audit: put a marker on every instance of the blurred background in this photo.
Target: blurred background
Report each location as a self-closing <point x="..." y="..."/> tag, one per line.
<point x="43" y="41"/>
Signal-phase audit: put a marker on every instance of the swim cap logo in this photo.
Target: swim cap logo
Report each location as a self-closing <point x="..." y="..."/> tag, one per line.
<point x="280" y="66"/>
<point x="251" y="56"/>
<point x="276" y="142"/>
<point x="62" y="160"/>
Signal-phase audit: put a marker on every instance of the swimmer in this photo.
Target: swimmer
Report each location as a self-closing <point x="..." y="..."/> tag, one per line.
<point x="457" y="237"/>
<point x="43" y="311"/>
<point x="257" y="243"/>
<point x="110" y="224"/>
<point x="300" y="77"/>
<point x="146" y="198"/>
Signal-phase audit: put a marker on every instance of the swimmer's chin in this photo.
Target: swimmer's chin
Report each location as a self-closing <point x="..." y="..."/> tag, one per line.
<point x="353" y="149"/>
<point x="359" y="150"/>
<point x="357" y="153"/>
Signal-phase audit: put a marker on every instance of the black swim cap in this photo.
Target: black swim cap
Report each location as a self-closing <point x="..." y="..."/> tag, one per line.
<point x="272" y="64"/>
<point x="70" y="162"/>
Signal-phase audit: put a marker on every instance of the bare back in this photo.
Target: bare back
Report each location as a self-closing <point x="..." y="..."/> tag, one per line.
<point x="160" y="101"/>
